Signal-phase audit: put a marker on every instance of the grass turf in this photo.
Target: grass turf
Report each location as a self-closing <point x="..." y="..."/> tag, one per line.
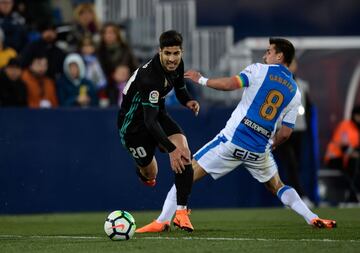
<point x="216" y="230"/>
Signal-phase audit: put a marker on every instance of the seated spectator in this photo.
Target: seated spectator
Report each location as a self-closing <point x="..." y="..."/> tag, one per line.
<point x="85" y="25"/>
<point x="12" y="88"/>
<point x="343" y="151"/>
<point x="94" y="71"/>
<point x="46" y="45"/>
<point x="112" y="94"/>
<point x="13" y="25"/>
<point x="113" y="50"/>
<point x="73" y="88"/>
<point x="6" y="53"/>
<point x="40" y="88"/>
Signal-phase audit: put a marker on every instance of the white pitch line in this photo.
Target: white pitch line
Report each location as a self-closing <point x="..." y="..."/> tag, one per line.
<point x="174" y="238"/>
<point x="51" y="237"/>
<point x="246" y="239"/>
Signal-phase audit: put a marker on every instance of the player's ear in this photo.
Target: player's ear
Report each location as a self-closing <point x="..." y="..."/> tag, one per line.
<point x="159" y="50"/>
<point x="280" y="56"/>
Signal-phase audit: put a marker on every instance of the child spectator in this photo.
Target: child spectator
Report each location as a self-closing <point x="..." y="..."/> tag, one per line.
<point x="41" y="89"/>
<point x="12" y="88"/>
<point x="112" y="94"/>
<point x="93" y="71"/>
<point x="6" y="53"/>
<point x="73" y="88"/>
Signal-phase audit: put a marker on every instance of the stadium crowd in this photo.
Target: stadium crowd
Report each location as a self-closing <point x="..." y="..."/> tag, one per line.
<point x="41" y="66"/>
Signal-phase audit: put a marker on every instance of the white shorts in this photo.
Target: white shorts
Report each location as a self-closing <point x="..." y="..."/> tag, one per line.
<point x="219" y="157"/>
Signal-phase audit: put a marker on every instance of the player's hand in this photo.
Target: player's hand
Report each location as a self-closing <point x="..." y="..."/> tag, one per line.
<point x="177" y="159"/>
<point x="194" y="106"/>
<point x="193" y="75"/>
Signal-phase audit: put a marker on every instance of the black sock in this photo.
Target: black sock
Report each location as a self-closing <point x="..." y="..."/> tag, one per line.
<point x="183" y="183"/>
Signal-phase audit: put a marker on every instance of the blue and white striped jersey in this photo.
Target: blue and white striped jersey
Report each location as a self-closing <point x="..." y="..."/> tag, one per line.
<point x="270" y="95"/>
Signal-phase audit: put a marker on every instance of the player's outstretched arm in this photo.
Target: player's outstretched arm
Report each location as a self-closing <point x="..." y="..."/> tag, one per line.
<point x="221" y="83"/>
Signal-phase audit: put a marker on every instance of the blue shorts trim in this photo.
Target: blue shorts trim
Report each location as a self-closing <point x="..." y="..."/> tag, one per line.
<point x="209" y="146"/>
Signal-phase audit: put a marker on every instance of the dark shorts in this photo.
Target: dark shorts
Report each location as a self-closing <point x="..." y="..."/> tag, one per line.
<point x="142" y="145"/>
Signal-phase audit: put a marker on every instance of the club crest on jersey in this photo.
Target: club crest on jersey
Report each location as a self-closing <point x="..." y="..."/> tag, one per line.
<point x="154" y="97"/>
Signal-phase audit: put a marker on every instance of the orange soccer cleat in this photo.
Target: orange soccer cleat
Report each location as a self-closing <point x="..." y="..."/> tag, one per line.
<point x="182" y="220"/>
<point x="322" y="223"/>
<point x="154" y="227"/>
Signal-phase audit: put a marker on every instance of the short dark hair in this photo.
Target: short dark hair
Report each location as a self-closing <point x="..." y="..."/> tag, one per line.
<point x="14" y="62"/>
<point x="170" y="38"/>
<point x="284" y="46"/>
<point x="37" y="56"/>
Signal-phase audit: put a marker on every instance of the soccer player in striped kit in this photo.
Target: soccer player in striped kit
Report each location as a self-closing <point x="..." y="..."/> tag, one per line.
<point x="270" y="96"/>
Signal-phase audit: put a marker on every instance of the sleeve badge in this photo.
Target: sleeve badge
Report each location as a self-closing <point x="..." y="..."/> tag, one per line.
<point x="154" y="97"/>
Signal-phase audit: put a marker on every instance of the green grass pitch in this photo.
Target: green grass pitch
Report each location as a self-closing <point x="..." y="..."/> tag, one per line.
<point x="216" y="230"/>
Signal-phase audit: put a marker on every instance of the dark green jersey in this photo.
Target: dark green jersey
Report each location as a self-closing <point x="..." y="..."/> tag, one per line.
<point x="144" y="98"/>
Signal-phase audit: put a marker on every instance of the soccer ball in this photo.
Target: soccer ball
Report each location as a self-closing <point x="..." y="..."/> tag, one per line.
<point x="120" y="225"/>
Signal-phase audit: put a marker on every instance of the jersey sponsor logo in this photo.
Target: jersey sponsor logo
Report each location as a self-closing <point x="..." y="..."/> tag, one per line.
<point x="154" y="97"/>
<point x="256" y="127"/>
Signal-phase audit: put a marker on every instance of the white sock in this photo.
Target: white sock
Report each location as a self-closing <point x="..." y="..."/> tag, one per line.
<point x="289" y="197"/>
<point x="169" y="207"/>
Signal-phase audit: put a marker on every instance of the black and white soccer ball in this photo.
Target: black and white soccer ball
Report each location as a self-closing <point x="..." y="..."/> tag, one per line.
<point x="120" y="225"/>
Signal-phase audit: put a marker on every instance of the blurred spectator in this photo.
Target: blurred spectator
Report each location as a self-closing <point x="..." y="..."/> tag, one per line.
<point x="94" y="71"/>
<point x="73" y="88"/>
<point x="12" y="88"/>
<point x="291" y="153"/>
<point x="6" y="53"/>
<point x="35" y="12"/>
<point x="343" y="151"/>
<point x="41" y="89"/>
<point x="85" y="24"/>
<point x="46" y="45"/>
<point x="113" y="50"/>
<point x="13" y="25"/>
<point x="112" y="94"/>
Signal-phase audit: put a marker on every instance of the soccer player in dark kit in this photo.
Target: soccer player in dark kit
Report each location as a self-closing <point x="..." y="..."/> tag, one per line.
<point x="144" y="123"/>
